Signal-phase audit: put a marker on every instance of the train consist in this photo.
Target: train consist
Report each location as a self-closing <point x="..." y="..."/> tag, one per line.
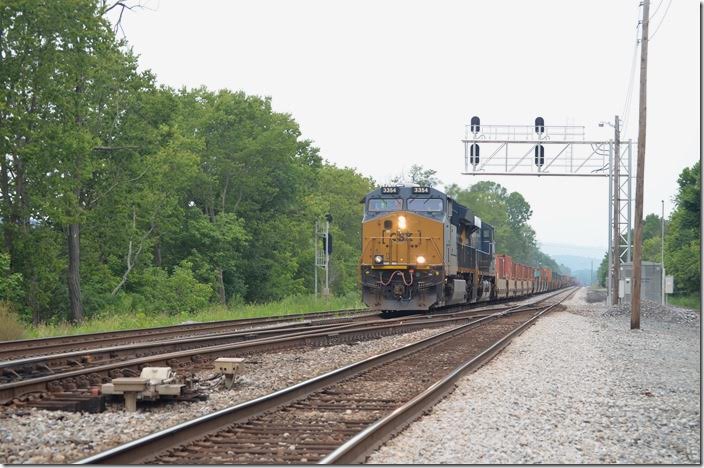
<point x="421" y="250"/>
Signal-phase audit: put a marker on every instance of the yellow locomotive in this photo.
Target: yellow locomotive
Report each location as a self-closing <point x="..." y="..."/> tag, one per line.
<point x="421" y="249"/>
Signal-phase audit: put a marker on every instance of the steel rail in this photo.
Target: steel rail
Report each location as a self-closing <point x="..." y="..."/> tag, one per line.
<point x="118" y="353"/>
<point x="56" y="342"/>
<point x="249" y="333"/>
<point x="12" y="390"/>
<point x="356" y="449"/>
<point x="145" y="447"/>
<point x="37" y="346"/>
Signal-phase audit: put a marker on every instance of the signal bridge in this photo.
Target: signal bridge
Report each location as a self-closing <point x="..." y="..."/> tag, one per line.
<point x="540" y="150"/>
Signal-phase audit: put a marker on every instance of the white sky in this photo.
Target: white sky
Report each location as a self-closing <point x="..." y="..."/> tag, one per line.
<point x="380" y="86"/>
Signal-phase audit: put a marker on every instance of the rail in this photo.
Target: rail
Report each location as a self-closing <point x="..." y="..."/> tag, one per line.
<point x="148" y="447"/>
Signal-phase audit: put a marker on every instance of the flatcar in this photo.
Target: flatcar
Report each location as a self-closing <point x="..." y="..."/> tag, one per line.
<point x="421" y="250"/>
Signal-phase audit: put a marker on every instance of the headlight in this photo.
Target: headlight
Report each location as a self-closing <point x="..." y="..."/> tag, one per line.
<point x="402" y="222"/>
<point x="420" y="259"/>
<point x="378" y="259"/>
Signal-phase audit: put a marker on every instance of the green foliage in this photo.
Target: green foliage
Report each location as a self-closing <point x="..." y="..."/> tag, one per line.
<point x="10" y="283"/>
<point x="182" y="198"/>
<point x="602" y="271"/>
<point x="170" y="293"/>
<point x="171" y="200"/>
<point x="682" y="238"/>
<point x="652" y="249"/>
<point x="652" y="226"/>
<point x="121" y="320"/>
<point x="690" y="301"/>
<point x="338" y="191"/>
<point x="418" y="175"/>
<point x="12" y="328"/>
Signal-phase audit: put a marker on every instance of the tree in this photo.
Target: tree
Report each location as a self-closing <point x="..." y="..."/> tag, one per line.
<point x="682" y="240"/>
<point x="118" y="195"/>
<point x="508" y="213"/>
<point x="603" y="270"/>
<point x="338" y="191"/>
<point x="10" y="283"/>
<point x="71" y="93"/>
<point x="418" y="175"/>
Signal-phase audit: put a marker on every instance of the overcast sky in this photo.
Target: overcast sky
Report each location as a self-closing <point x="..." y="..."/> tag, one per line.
<point x="380" y="86"/>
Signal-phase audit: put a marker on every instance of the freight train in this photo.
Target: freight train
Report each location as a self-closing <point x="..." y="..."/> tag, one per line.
<point x="422" y="250"/>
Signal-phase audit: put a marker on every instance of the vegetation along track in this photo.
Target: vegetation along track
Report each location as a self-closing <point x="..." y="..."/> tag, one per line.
<point x="78" y="371"/>
<point x="340" y="416"/>
<point x="61" y="344"/>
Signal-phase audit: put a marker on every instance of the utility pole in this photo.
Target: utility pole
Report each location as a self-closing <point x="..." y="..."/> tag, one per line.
<point x="616" y="245"/>
<point x="640" y="171"/>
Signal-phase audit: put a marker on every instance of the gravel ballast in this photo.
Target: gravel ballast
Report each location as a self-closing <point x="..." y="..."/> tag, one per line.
<point x="40" y="436"/>
<point x="577" y="387"/>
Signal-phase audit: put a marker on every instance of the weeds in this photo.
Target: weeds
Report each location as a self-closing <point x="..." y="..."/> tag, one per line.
<point x="12" y="328"/>
<point x="111" y="320"/>
<point x="689" y="302"/>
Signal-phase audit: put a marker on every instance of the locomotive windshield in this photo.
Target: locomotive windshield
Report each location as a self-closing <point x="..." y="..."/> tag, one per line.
<point x="425" y="204"/>
<point x="385" y="204"/>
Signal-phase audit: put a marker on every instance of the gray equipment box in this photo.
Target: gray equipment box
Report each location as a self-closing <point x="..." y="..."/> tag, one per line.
<point x="651" y="281"/>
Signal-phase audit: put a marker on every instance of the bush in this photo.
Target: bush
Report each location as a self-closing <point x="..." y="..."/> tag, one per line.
<point x="178" y="292"/>
<point x="12" y="328"/>
<point x="10" y="283"/>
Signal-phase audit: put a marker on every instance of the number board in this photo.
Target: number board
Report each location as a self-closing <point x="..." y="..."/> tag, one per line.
<point x="389" y="190"/>
<point x="421" y="189"/>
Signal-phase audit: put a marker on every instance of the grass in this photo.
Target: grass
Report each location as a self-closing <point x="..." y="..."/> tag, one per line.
<point x="122" y="321"/>
<point x="12" y="328"/>
<point x="691" y="301"/>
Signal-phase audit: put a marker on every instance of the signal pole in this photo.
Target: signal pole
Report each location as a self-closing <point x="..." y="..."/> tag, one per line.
<point x="326" y="289"/>
<point x="616" y="245"/>
<point x="315" y="262"/>
<point x="640" y="172"/>
<point x="322" y="254"/>
<point x="662" y="250"/>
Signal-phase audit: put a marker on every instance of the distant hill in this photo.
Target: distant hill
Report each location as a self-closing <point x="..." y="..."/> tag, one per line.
<point x="575" y="262"/>
<point x="585" y="277"/>
<point x="553" y="249"/>
<point x="580" y="260"/>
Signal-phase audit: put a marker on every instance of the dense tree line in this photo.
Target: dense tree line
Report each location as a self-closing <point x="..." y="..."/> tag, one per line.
<point x="117" y="193"/>
<point x="121" y="195"/>
<point x="682" y="235"/>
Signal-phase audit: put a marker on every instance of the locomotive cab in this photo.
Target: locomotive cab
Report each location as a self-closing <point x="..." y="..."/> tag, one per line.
<point x="402" y="247"/>
<point x="421" y="249"/>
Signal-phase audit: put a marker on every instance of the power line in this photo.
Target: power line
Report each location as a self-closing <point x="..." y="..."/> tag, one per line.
<point x="661" y="20"/>
<point x="629" y="92"/>
<point x="631" y="80"/>
<point x="656" y="11"/>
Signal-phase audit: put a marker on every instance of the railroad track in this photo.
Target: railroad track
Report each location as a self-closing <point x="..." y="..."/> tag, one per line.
<point x="78" y="371"/>
<point x="61" y="344"/>
<point x="338" y="417"/>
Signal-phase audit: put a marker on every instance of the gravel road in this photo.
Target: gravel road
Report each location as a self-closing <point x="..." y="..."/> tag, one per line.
<point x="577" y="387"/>
<point x="40" y="436"/>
